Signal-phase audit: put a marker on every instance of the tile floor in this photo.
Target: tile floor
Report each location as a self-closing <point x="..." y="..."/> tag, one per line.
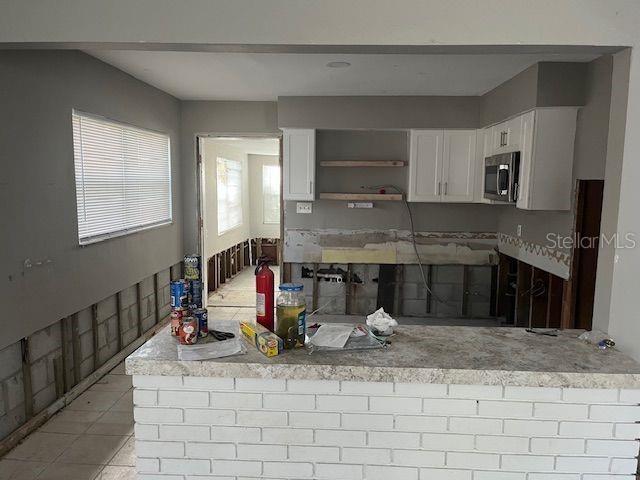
<point x="240" y="291"/>
<point x="91" y="439"/>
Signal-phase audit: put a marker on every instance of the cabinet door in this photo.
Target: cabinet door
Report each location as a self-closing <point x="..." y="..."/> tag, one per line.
<point x="299" y="164"/>
<point x="526" y="159"/>
<point x="514" y="133"/>
<point x="425" y="165"/>
<point x="459" y="165"/>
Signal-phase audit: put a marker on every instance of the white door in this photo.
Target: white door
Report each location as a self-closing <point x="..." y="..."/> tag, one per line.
<point x="459" y="165"/>
<point x="425" y="165"/>
<point x="299" y="164"/>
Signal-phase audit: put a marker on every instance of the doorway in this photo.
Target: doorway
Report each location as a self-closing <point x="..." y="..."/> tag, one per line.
<point x="241" y="214"/>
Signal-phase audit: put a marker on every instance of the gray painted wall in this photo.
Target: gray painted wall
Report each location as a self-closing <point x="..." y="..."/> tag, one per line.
<point x="378" y="112"/>
<point x="212" y="117"/>
<point x="545" y="84"/>
<point x="38" y="90"/>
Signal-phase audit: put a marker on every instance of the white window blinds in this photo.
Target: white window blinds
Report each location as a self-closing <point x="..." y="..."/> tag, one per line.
<point x="229" y="192"/>
<point x="123" y="178"/>
<point x="270" y="194"/>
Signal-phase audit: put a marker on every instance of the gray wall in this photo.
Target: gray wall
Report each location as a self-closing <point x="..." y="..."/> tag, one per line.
<point x="545" y="84"/>
<point x="378" y="145"/>
<point x="378" y="112"/>
<point x="38" y="90"/>
<point x="590" y="153"/>
<point x="212" y="117"/>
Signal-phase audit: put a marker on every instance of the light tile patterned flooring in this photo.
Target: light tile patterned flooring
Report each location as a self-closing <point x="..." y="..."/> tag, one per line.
<point x="92" y="438"/>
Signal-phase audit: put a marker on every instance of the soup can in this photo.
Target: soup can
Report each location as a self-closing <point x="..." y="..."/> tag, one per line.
<point x="179" y="294"/>
<point x="176" y="320"/>
<point x="192" y="269"/>
<point x="188" y="331"/>
<point x="195" y="293"/>
<point x="201" y="316"/>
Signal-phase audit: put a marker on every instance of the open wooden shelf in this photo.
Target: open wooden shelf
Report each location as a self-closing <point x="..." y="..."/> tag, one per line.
<point x="362" y="197"/>
<point x="362" y="163"/>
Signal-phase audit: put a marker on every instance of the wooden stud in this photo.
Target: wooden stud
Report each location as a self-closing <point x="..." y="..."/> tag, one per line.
<point x="58" y="376"/>
<point x="119" y="318"/>
<point x="76" y="349"/>
<point x="286" y="273"/>
<point x="314" y="301"/>
<point x="156" y="299"/>
<point x="465" y="290"/>
<point x="493" y="301"/>
<point x="398" y="290"/>
<point x="139" y="302"/>
<point x="94" y="333"/>
<point x="430" y="283"/>
<point x="64" y="327"/>
<point x="27" y="388"/>
<point x="258" y="247"/>
<point x="347" y="289"/>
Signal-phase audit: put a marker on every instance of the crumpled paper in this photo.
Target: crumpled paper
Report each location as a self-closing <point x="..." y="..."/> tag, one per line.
<point x="382" y="322"/>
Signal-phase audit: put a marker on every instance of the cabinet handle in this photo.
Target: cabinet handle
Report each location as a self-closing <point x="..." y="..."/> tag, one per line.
<point x="439" y="183"/>
<point x="446" y="184"/>
<point x="310" y="186"/>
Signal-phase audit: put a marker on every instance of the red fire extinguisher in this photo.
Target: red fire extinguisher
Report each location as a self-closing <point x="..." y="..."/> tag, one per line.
<point x="264" y="293"/>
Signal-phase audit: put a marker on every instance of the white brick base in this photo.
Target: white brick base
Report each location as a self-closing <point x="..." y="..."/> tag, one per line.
<point x="196" y="429"/>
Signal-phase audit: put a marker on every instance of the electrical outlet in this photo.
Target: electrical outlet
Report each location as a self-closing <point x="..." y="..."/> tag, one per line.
<point x="519" y="230"/>
<point x="304" y="207"/>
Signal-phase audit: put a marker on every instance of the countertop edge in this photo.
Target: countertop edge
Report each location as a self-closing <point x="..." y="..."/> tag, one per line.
<point x="421" y="375"/>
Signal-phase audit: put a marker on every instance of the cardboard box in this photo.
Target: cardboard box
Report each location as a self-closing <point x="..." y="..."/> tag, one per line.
<point x="264" y="340"/>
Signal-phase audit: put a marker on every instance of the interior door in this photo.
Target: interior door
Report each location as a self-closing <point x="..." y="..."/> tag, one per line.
<point x="425" y="165"/>
<point x="459" y="165"/>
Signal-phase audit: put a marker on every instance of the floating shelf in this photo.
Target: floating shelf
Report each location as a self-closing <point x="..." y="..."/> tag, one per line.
<point x="362" y="163"/>
<point x="366" y="197"/>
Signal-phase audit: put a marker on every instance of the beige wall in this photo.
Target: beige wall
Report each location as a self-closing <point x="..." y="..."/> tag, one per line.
<point x="215" y="243"/>
<point x="258" y="227"/>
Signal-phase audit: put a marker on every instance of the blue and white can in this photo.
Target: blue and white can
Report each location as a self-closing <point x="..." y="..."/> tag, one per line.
<point x="202" y="317"/>
<point x="195" y="292"/>
<point x="179" y="294"/>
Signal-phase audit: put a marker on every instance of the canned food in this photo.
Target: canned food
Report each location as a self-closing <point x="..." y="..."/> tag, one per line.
<point x="176" y="320"/>
<point x="179" y="294"/>
<point x="188" y="331"/>
<point x="192" y="267"/>
<point x="201" y="316"/>
<point x="195" y="293"/>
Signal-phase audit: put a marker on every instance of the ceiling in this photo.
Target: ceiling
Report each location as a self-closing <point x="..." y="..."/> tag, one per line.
<point x="250" y="146"/>
<point x="265" y="76"/>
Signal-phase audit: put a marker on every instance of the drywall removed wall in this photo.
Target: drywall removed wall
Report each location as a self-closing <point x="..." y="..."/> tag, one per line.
<point x="259" y="227"/>
<point x="38" y="91"/>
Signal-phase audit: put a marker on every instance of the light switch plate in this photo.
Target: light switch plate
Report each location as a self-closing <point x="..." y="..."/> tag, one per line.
<point x="304" y="207"/>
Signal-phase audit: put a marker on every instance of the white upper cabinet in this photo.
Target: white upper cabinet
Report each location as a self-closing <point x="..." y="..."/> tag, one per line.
<point x="458" y="172"/>
<point x="299" y="164"/>
<point x="546" y="159"/>
<point x="544" y="137"/>
<point x="425" y="165"/>
<point x="442" y="165"/>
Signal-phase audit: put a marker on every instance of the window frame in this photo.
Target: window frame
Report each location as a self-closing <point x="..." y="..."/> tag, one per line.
<point x="86" y="241"/>
<point x="276" y="166"/>
<point x="241" y="170"/>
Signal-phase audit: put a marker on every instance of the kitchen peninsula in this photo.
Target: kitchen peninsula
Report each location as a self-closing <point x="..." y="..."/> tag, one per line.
<point x="439" y="402"/>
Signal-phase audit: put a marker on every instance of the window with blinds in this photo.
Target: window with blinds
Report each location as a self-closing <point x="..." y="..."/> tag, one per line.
<point x="123" y="178"/>
<point x="229" y="194"/>
<point x="270" y="194"/>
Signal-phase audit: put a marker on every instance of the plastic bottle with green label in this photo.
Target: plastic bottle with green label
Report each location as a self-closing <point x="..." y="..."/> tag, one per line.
<point x="291" y="312"/>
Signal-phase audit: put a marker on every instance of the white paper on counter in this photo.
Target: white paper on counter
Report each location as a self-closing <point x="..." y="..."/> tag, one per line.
<point x="331" y="336"/>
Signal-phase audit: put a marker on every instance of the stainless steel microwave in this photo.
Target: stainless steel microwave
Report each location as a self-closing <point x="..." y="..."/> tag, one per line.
<point x="501" y="177"/>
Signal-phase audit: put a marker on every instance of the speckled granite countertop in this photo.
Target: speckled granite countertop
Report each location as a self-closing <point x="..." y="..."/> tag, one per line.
<point x="420" y="354"/>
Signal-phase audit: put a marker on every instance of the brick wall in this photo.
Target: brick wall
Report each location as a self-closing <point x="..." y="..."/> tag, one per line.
<point x="197" y="427"/>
